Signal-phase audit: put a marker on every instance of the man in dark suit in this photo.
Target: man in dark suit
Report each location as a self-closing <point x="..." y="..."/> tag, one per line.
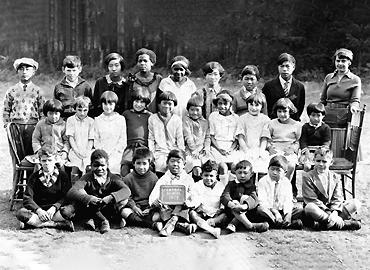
<point x="285" y="86"/>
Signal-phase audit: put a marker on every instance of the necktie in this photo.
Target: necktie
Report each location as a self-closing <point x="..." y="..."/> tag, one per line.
<point x="276" y="196"/>
<point x="286" y="88"/>
<point x="24" y="87"/>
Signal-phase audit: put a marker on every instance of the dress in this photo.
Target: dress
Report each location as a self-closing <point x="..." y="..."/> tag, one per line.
<point x="82" y="131"/>
<point x="183" y="93"/>
<point x="110" y="135"/>
<point x="240" y="106"/>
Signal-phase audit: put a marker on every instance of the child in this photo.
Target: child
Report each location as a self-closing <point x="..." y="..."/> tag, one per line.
<point x="80" y="133"/>
<point x="253" y="123"/>
<point x="110" y="131"/>
<point x="23" y="102"/>
<point x="315" y="133"/>
<point x="250" y="76"/>
<point x="71" y="86"/>
<point x="275" y="197"/>
<point x="145" y="78"/>
<point x="141" y="182"/>
<point x="51" y="131"/>
<point x="282" y="135"/>
<point x="137" y="127"/>
<point x="165" y="131"/>
<point x="322" y="196"/>
<point x="285" y="85"/>
<point x="174" y="216"/>
<point x="240" y="199"/>
<point x="45" y="195"/>
<point x="225" y="131"/>
<point x="98" y="195"/>
<point x="196" y="136"/>
<point x="207" y="213"/>
<point x="179" y="83"/>
<point x="213" y="72"/>
<point x="114" y="82"/>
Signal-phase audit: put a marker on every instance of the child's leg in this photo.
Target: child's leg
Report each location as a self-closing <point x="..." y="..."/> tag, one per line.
<point x="259" y="227"/>
<point x="316" y="213"/>
<point x="75" y="174"/>
<point x="218" y="221"/>
<point x="266" y="215"/>
<point x="169" y="227"/>
<point x="125" y="167"/>
<point x="216" y="232"/>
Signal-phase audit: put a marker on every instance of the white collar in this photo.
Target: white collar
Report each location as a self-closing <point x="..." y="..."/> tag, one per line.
<point x="109" y="80"/>
<point x="282" y="81"/>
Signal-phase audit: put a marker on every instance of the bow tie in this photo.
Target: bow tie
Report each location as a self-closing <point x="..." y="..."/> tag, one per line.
<point x="175" y="177"/>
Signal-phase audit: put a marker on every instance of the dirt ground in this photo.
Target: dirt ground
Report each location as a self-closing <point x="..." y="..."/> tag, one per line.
<point x="135" y="248"/>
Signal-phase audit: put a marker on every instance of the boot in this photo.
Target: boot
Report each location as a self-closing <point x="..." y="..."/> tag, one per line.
<point x="169" y="227"/>
<point x="66" y="225"/>
<point x="104" y="227"/>
<point x="187" y="228"/>
<point x="260" y="227"/>
<point x="136" y="220"/>
<point x="89" y="225"/>
<point x="351" y="225"/>
<point x="296" y="224"/>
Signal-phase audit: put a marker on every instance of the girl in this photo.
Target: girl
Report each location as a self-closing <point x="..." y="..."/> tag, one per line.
<point x="110" y="131"/>
<point x="225" y="131"/>
<point x="80" y="133"/>
<point x="114" y="82"/>
<point x="252" y="123"/>
<point x="283" y="133"/>
<point x="145" y="78"/>
<point x="179" y="83"/>
<point x="250" y="76"/>
<point x="137" y="127"/>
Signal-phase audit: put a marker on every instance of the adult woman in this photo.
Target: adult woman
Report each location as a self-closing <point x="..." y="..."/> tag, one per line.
<point x="114" y="82"/>
<point x="340" y="94"/>
<point x="145" y="78"/>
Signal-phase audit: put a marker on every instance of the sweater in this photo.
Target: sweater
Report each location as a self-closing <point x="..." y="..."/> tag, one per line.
<point x="137" y="126"/>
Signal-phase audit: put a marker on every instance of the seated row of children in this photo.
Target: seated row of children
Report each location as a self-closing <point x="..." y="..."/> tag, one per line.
<point x="213" y="203"/>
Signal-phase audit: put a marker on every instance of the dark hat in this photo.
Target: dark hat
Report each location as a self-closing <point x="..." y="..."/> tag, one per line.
<point x="279" y="161"/>
<point x="344" y="53"/>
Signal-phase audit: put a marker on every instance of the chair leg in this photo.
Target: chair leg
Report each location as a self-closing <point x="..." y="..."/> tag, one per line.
<point x="342" y="177"/>
<point x="353" y="182"/>
<point x="16" y="178"/>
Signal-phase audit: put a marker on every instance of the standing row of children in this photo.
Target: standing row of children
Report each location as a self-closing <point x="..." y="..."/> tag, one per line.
<point x="221" y="138"/>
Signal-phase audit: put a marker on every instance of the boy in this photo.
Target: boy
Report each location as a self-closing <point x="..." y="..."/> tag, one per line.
<point x="213" y="72"/>
<point x="314" y="133"/>
<point x="196" y="136"/>
<point x="71" y="86"/>
<point x="136" y="125"/>
<point x="165" y="131"/>
<point x="177" y="215"/>
<point x="322" y="196"/>
<point x="285" y="85"/>
<point x="98" y="195"/>
<point x="45" y="194"/>
<point x="23" y="102"/>
<point x="51" y="131"/>
<point x="276" y="198"/>
<point x="141" y="182"/>
<point x="240" y="199"/>
<point x="207" y="193"/>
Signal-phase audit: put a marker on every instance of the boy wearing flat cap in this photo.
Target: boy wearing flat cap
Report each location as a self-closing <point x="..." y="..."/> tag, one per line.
<point x="23" y="102"/>
<point x="285" y="85"/>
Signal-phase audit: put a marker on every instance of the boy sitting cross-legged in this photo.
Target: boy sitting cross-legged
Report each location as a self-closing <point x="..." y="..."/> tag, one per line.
<point x="322" y="196"/>
<point x="240" y="199"/>
<point x="141" y="182"/>
<point x="207" y="213"/>
<point x="276" y="197"/>
<point x="98" y="195"/>
<point x="175" y="216"/>
<point x="45" y="195"/>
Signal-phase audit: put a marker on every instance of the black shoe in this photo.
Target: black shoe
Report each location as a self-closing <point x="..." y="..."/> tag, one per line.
<point x="260" y="227"/>
<point x="296" y="224"/>
<point x="351" y="225"/>
<point x="104" y="227"/>
<point x="187" y="228"/>
<point x="89" y="225"/>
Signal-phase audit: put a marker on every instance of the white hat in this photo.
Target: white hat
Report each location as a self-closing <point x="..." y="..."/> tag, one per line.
<point x="26" y="61"/>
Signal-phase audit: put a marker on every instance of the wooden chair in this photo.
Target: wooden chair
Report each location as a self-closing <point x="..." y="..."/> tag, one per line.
<point x="19" y="169"/>
<point x="346" y="165"/>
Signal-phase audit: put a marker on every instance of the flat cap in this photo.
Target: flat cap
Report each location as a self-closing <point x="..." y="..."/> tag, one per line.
<point x="25" y="61"/>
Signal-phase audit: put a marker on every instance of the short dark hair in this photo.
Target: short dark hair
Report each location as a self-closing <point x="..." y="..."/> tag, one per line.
<point x="52" y="105"/>
<point x="279" y="161"/>
<point x="244" y="164"/>
<point x="98" y="154"/>
<point x="72" y="61"/>
<point x="142" y="152"/>
<point x="250" y="70"/>
<point x="315" y="108"/>
<point x="176" y="153"/>
<point x="108" y="97"/>
<point x="196" y="101"/>
<point x="284" y="103"/>
<point x="210" y="66"/>
<point x="114" y="56"/>
<point x="167" y="95"/>
<point x="150" y="53"/>
<point x="323" y="151"/>
<point x="209" y="165"/>
<point x="140" y="93"/>
<point x="284" y="57"/>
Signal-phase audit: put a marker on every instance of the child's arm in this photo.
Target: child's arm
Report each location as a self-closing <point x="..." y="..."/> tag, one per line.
<point x="151" y="134"/>
<point x="241" y="141"/>
<point x="309" y="191"/>
<point x="215" y="145"/>
<point x="74" y="147"/>
<point x="122" y="142"/>
<point x="303" y="140"/>
<point x="326" y="136"/>
<point x="180" y="137"/>
<point x="207" y="143"/>
<point x="188" y="136"/>
<point x="37" y="137"/>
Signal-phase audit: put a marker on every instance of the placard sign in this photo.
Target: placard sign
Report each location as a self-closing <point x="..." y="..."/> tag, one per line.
<point x="172" y="194"/>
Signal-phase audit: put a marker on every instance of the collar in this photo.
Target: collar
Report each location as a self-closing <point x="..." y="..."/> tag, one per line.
<point x="109" y="80"/>
<point x="23" y="84"/>
<point x="348" y="74"/>
<point x="80" y="120"/>
<point x="68" y="83"/>
<point x="213" y="89"/>
<point x="282" y="81"/>
<point x="48" y="179"/>
<point x="317" y="126"/>
<point x="101" y="179"/>
<point x="59" y="122"/>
